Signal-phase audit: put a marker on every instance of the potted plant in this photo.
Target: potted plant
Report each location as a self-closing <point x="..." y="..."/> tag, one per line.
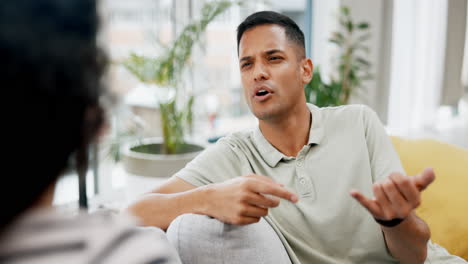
<point x="352" y="68"/>
<point x="158" y="157"/>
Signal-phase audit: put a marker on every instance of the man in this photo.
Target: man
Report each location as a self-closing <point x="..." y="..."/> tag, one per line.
<point x="314" y="159"/>
<point x="52" y="69"/>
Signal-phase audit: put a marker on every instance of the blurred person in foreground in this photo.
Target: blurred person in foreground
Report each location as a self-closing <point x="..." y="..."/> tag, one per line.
<point x="52" y="69"/>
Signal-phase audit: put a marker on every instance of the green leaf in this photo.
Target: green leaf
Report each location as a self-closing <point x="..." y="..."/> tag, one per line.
<point x="363" y="61"/>
<point x="343" y="21"/>
<point x="350" y="26"/>
<point x="338" y="43"/>
<point x="337" y="38"/>
<point x="363" y="25"/>
<point x="345" y="10"/>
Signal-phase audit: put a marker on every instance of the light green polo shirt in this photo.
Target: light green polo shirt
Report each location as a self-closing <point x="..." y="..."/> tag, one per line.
<point x="347" y="148"/>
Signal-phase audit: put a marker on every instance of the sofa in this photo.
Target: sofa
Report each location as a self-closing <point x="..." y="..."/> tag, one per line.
<point x="444" y="207"/>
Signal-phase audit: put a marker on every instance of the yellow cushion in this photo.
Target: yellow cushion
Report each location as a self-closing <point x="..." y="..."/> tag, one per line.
<point x="444" y="204"/>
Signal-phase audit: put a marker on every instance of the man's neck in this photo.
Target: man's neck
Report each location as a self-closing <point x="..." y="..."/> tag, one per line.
<point x="290" y="133"/>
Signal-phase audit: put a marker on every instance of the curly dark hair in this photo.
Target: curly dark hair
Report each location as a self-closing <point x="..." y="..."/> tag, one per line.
<point x="51" y="68"/>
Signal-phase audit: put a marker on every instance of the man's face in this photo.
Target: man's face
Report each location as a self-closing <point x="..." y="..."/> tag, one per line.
<point x="272" y="72"/>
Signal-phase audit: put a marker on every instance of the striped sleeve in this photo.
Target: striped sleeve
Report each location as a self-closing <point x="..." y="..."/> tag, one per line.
<point x="97" y="238"/>
<point x="133" y="244"/>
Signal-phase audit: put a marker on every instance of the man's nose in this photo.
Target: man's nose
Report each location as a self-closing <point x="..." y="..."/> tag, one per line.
<point x="260" y="72"/>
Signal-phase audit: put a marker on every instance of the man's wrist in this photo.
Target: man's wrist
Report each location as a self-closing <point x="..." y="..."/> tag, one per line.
<point x="389" y="223"/>
<point x="205" y="194"/>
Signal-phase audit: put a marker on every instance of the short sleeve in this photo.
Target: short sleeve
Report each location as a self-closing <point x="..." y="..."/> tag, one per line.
<point x="437" y="254"/>
<point x="384" y="159"/>
<point x="217" y="163"/>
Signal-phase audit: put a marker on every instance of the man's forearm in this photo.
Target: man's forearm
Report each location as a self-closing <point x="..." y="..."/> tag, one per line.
<point x="407" y="241"/>
<point x="160" y="210"/>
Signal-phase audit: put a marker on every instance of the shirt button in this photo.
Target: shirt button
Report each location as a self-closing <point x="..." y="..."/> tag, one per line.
<point x="299" y="163"/>
<point x="302" y="181"/>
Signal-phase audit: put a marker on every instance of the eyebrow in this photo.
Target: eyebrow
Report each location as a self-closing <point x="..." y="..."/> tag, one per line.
<point x="268" y="52"/>
<point x="245" y="58"/>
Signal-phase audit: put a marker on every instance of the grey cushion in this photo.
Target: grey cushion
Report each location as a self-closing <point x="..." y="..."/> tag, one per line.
<point x="200" y="239"/>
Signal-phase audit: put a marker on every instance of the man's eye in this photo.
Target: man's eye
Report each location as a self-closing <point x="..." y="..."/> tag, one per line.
<point x="246" y="64"/>
<point x="275" y="58"/>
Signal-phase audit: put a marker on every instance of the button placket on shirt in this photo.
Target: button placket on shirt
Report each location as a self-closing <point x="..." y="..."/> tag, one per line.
<point x="305" y="185"/>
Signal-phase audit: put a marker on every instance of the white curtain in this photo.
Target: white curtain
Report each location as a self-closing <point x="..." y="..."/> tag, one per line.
<point x="465" y="60"/>
<point x="324" y="22"/>
<point x="417" y="63"/>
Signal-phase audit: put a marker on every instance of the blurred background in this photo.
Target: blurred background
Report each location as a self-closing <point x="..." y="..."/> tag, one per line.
<point x="174" y="68"/>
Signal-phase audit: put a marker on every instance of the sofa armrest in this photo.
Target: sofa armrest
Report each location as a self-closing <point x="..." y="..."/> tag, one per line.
<point x="200" y="239"/>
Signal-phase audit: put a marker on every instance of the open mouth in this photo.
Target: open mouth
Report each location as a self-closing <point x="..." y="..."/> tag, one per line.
<point x="262" y="93"/>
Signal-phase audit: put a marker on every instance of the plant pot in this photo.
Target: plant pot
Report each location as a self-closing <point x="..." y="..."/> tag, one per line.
<point x="144" y="158"/>
<point x="146" y="167"/>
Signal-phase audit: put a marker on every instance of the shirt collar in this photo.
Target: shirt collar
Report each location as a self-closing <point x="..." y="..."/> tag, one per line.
<point x="316" y="132"/>
<point x="271" y="155"/>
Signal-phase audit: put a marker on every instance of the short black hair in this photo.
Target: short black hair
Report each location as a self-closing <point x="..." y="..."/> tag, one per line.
<point x="51" y="69"/>
<point x="292" y="30"/>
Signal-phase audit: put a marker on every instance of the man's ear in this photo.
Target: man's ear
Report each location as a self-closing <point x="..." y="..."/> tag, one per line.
<point x="307" y="70"/>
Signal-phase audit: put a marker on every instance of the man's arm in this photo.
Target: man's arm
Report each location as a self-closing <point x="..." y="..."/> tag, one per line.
<point x="396" y="198"/>
<point x="237" y="201"/>
<point x="175" y="197"/>
<point x="407" y="241"/>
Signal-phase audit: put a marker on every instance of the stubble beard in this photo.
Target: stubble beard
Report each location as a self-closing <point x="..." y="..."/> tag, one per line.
<point x="270" y="112"/>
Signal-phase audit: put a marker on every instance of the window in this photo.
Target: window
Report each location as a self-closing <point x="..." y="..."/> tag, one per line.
<point x="145" y="27"/>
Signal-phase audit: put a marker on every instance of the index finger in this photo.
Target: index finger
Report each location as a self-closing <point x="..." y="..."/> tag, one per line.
<point x="371" y="205"/>
<point x="273" y="189"/>
<point x="261" y="178"/>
